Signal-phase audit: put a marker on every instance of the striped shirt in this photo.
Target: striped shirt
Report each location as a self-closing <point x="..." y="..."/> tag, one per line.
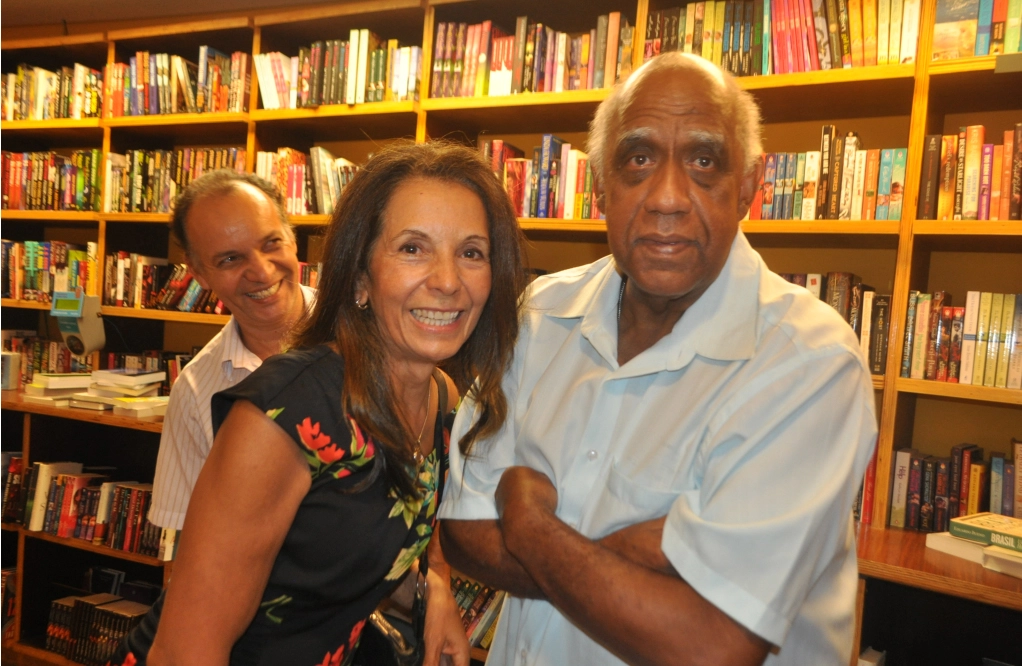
<point x="188" y="427"/>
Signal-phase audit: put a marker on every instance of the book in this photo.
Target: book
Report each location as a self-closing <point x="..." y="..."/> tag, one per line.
<point x="955" y="28"/>
<point x="982" y="337"/>
<point x="966" y="549"/>
<point x="129" y="377"/>
<point x="73" y="380"/>
<point x="46" y="474"/>
<point x="910" y="322"/>
<point x="969" y="329"/>
<point x="899" y="486"/>
<point x="989" y="529"/>
<point x="1006" y="341"/>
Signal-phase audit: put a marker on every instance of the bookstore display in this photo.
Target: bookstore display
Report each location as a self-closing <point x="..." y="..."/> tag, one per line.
<point x="891" y="190"/>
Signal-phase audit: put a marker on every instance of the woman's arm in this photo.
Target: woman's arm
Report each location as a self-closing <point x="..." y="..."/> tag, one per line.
<point x="445" y="633"/>
<point x="244" y="502"/>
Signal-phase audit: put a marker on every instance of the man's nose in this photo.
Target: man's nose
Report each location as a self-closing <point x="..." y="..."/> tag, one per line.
<point x="669" y="189"/>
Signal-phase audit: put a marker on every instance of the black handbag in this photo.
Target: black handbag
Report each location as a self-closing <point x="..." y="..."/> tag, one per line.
<point x="385" y="639"/>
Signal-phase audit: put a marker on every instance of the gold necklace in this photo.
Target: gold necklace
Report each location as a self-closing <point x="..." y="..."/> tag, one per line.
<point x="417" y="453"/>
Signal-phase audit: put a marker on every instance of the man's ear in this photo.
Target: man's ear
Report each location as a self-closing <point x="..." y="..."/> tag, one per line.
<point x="748" y="187"/>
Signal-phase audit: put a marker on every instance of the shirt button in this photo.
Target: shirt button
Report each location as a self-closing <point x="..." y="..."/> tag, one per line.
<point x="525" y="653"/>
<point x="593" y="455"/>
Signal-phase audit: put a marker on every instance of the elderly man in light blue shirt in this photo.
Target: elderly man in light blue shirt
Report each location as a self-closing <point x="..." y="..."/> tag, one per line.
<point x="687" y="431"/>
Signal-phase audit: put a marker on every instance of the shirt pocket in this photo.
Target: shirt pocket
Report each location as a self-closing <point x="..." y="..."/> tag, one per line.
<point x="626" y="501"/>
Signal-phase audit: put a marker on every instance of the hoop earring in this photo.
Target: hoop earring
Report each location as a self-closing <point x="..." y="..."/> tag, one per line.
<point x="361" y="306"/>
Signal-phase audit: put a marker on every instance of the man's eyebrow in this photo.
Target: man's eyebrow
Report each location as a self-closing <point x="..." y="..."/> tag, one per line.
<point x="707" y="138"/>
<point x="633" y="137"/>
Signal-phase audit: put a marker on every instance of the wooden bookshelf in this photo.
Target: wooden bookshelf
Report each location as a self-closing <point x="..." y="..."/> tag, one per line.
<point x="79" y="544"/>
<point x="901" y="556"/>
<point x="165" y="315"/>
<point x="924" y="96"/>
<point x="987" y="394"/>
<point x="13" y="401"/>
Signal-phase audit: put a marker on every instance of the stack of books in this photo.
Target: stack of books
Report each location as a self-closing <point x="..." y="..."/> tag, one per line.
<point x="55" y="389"/>
<point x="88" y="629"/>
<point x="132" y="392"/>
<point x="984" y="538"/>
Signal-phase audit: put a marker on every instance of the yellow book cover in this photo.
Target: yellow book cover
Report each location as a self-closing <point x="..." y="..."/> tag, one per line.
<point x="975" y="487"/>
<point x="718" y="31"/>
<point x="869" y="32"/>
<point x="388" y="81"/>
<point x="993" y="339"/>
<point x="855" y="26"/>
<point x="708" y="24"/>
<point x="1007" y="341"/>
<point x="982" y="333"/>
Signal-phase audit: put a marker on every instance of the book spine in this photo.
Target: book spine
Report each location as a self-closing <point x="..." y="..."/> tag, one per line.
<point x="910" y="322"/>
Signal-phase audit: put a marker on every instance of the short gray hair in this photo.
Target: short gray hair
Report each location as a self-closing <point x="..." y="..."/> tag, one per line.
<point x="738" y="103"/>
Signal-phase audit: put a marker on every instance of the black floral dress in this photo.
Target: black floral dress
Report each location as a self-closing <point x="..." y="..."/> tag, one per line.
<point x="345" y="551"/>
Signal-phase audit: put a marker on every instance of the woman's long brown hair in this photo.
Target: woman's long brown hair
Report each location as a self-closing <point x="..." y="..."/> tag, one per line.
<point x="479" y="365"/>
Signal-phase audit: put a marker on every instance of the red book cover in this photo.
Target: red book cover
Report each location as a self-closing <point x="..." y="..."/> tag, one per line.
<point x="129" y="523"/>
<point x="968" y="457"/>
<point x="779" y="34"/>
<point x="868" y="490"/>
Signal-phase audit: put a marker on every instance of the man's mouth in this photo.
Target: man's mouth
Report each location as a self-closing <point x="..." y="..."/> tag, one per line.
<point x="265" y="293"/>
<point x="436" y="317"/>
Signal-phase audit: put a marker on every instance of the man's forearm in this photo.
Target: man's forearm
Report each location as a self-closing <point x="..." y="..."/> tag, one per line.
<point x="476" y="547"/>
<point x="642" y="615"/>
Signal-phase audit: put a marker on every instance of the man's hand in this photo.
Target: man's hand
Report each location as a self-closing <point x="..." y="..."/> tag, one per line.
<point x="524" y="497"/>
<point x="640" y="544"/>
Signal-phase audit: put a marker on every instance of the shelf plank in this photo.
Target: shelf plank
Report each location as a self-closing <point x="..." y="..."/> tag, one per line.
<point x="967" y="227"/>
<point x="24" y="305"/>
<point x="55" y="124"/>
<point x="38" y="654"/>
<point x="176" y="119"/>
<point x="334" y="111"/>
<point x="9" y="527"/>
<point x="479" y="654"/>
<point x="12" y="400"/>
<point x="160" y="29"/>
<point x="147" y="218"/>
<point x="165" y="315"/>
<point x="524" y="99"/>
<point x="827" y="77"/>
<point x="334" y="10"/>
<point x="50" y="42"/>
<point x="50" y="215"/>
<point x="308" y="220"/>
<point x="539" y="224"/>
<point x="960" y="391"/>
<point x="959" y="65"/>
<point x="901" y="556"/>
<point x="885" y="227"/>
<point x="93" y="548"/>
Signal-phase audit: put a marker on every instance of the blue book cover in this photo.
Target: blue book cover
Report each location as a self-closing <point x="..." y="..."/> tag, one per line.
<point x="791" y="169"/>
<point x="769" y="191"/>
<point x="154" y="87"/>
<point x="780" y="185"/>
<point x="986" y="13"/>
<point x="549" y="151"/>
<point x="897" y="183"/>
<point x="884" y="183"/>
<point x="728" y="35"/>
<point x="1008" y="499"/>
<point x="767" y="39"/>
<point x="134" y="85"/>
<point x="996" y="482"/>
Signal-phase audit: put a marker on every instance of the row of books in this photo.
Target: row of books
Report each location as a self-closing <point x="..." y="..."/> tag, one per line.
<point x="142" y="282"/>
<point x="481" y="59"/>
<point x="964" y="178"/>
<point x="63" y="500"/>
<point x="39" y="354"/>
<point x="310" y="183"/>
<point x="33" y="270"/>
<point x="557" y="182"/>
<point x="479" y="606"/>
<point x="841" y="181"/>
<point x="966" y="28"/>
<point x="362" y="69"/>
<point x="50" y="181"/>
<point x="158" y="83"/>
<point x="88" y="629"/>
<point x="927" y="492"/>
<point x="979" y="344"/>
<point x="754" y="37"/>
<point x="867" y="312"/>
<point x="148" y="181"/>
<point x="35" y="93"/>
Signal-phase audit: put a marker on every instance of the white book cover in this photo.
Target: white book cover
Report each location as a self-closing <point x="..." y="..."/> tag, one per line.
<point x="858" y="185"/>
<point x="969" y="337"/>
<point x="909" y="31"/>
<point x="562" y="56"/>
<point x="883" y="30"/>
<point x="47" y="471"/>
<point x="12" y="82"/>
<point x="867" y="322"/>
<point x="570" y="183"/>
<point x="899" y="487"/>
<point x="106" y="492"/>
<point x="362" y="73"/>
<point x="848" y="178"/>
<point x="894" y="43"/>
<point x="814" y="283"/>
<point x="810" y="184"/>
<point x="292" y="88"/>
<point x="1007" y="342"/>
<point x="943" y="542"/>
<point x="353" y="43"/>
<point x="78" y="91"/>
<point x="922" y="337"/>
<point x="690" y="23"/>
<point x="1002" y="560"/>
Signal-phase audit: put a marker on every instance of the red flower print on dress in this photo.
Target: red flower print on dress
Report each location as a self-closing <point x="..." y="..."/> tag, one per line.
<point x="356" y="631"/>
<point x="333" y="659"/>
<point x="314" y="440"/>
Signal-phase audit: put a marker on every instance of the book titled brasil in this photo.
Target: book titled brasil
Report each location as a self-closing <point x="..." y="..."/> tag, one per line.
<point x="989" y="529"/>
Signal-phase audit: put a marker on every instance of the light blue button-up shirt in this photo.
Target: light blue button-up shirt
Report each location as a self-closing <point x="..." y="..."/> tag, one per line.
<point x="750" y="426"/>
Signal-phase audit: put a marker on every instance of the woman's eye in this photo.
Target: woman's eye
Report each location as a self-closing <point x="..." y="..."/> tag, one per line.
<point x="475" y="254"/>
<point x="409" y="249"/>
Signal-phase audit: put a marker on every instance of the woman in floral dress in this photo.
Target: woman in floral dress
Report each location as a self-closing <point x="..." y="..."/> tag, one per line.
<point x="319" y="493"/>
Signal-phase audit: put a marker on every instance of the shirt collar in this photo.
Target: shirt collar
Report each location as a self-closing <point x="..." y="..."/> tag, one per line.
<point x="721" y="325"/>
<point x="236" y="354"/>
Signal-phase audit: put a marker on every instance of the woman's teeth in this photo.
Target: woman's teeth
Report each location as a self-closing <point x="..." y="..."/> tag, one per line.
<point x="435" y="317"/>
